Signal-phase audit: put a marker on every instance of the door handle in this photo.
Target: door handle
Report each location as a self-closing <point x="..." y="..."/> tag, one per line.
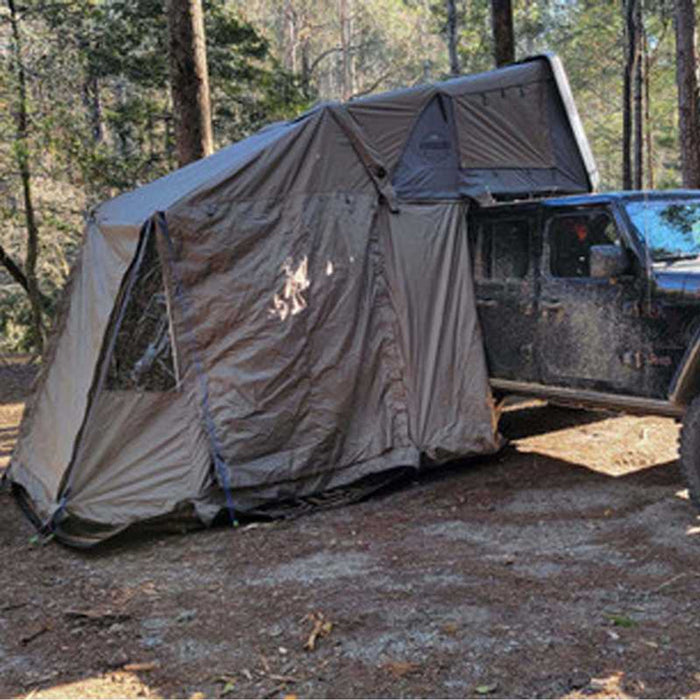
<point x="487" y="303"/>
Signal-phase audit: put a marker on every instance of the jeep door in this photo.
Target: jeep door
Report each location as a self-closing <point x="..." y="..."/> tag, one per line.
<point x="505" y="288"/>
<point x="590" y="336"/>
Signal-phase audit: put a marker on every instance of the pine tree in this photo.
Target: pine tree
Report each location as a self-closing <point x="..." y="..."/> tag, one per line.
<point x="189" y="80"/>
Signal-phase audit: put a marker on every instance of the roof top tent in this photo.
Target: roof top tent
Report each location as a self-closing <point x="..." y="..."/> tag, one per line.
<point x="291" y="314"/>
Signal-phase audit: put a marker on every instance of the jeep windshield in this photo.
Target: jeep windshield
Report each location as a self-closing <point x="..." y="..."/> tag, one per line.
<point x="670" y="227"/>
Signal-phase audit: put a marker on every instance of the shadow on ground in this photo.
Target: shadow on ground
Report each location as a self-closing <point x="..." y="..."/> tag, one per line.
<point x="524" y="574"/>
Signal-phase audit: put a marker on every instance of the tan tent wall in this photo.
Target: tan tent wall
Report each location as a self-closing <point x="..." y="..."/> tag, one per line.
<point x="144" y="454"/>
<point x="281" y="429"/>
<point x="324" y="331"/>
<point x="315" y="397"/>
<point x="57" y="410"/>
<point x="58" y="407"/>
<point x="382" y="361"/>
<point x="430" y="277"/>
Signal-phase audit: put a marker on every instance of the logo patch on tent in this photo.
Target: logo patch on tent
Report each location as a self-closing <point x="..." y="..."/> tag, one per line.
<point x="291" y="301"/>
<point x="434" y="147"/>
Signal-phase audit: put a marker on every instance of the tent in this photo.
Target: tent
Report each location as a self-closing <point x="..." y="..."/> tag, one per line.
<point x="291" y="314"/>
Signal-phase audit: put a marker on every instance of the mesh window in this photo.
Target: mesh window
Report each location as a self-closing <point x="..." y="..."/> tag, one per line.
<point x="505" y="250"/>
<point x="142" y="359"/>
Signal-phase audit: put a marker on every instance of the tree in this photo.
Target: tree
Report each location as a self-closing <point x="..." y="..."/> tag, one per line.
<point x="686" y="78"/>
<point x="99" y="117"/>
<point x="189" y="80"/>
<point x="648" y="126"/>
<point x="452" y="37"/>
<point x="503" y="35"/>
<point x="23" y="158"/>
<point x="98" y="120"/>
<point x="631" y="8"/>
<point x="638" y="120"/>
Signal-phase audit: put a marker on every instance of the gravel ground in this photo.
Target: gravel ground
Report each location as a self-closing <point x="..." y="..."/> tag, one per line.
<point x="567" y="566"/>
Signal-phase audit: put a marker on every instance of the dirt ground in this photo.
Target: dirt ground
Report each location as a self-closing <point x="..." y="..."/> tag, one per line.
<point x="567" y="566"/>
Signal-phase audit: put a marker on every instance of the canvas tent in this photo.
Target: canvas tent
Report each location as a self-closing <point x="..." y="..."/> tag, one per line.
<point x="292" y="313"/>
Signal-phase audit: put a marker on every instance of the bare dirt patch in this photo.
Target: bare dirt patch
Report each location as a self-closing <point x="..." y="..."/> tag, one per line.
<point x="569" y="565"/>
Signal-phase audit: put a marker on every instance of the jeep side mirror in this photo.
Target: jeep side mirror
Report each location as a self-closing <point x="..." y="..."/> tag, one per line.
<point x="608" y="261"/>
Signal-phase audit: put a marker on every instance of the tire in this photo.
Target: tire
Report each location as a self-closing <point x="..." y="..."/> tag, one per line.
<point x="690" y="451"/>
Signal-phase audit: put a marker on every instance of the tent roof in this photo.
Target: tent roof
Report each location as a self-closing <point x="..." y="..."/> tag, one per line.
<point x="385" y="120"/>
<point x="136" y="206"/>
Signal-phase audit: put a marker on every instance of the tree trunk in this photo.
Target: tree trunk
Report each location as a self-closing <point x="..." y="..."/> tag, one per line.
<point x="648" y="127"/>
<point x="452" y="37"/>
<point x="352" y="72"/>
<point x="686" y="79"/>
<point x="91" y="90"/>
<point x="305" y="79"/>
<point x="22" y="156"/>
<point x="122" y="126"/>
<point x="529" y="38"/>
<point x="290" y="37"/>
<point x="342" y="21"/>
<point x="503" y="35"/>
<point x="169" y="141"/>
<point x="95" y="109"/>
<point x="638" y="98"/>
<point x="347" y="86"/>
<point x="189" y="80"/>
<point x="627" y="92"/>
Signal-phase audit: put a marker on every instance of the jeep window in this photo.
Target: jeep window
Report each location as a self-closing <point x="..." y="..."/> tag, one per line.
<point x="671" y="227"/>
<point x="571" y="238"/>
<point x="504" y="250"/>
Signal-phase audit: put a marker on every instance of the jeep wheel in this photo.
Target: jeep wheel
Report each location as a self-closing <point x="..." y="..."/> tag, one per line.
<point x="690" y="451"/>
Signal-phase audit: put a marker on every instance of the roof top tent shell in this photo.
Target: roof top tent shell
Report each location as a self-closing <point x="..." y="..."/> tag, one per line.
<point x="510" y="133"/>
<point x="310" y="277"/>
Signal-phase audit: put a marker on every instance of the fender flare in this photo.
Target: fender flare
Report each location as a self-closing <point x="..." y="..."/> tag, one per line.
<point x="685" y="385"/>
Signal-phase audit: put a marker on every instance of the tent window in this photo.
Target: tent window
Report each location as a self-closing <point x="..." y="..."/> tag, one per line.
<point x="142" y="358"/>
<point x="504" y="250"/>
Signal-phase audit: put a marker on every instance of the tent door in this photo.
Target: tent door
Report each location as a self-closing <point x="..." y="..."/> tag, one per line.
<point x="504" y="276"/>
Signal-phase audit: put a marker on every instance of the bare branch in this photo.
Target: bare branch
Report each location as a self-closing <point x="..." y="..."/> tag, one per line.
<point x="373" y="86"/>
<point x="336" y="49"/>
<point x="18" y="275"/>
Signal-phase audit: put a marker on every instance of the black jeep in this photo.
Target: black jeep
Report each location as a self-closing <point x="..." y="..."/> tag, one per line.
<point x="595" y="301"/>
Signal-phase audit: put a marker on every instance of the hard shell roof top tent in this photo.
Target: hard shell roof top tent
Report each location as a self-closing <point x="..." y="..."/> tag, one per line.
<point x="292" y="313"/>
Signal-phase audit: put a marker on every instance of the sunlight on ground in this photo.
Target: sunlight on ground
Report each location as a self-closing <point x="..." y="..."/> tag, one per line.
<point x="119" y="684"/>
<point x="10" y="417"/>
<point x="614" y="446"/>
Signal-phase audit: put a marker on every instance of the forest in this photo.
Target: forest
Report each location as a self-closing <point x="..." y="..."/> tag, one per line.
<point x="88" y="102"/>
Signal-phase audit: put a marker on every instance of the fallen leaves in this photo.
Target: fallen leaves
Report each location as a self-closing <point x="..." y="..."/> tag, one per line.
<point x="450" y="628"/>
<point x="321" y="628"/>
<point x="141" y="667"/>
<point x="281" y="681"/>
<point x="621" y="620"/>
<point x="401" y="669"/>
<point x="486" y="689"/>
<point x="97" y="616"/>
<point x="228" y="683"/>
